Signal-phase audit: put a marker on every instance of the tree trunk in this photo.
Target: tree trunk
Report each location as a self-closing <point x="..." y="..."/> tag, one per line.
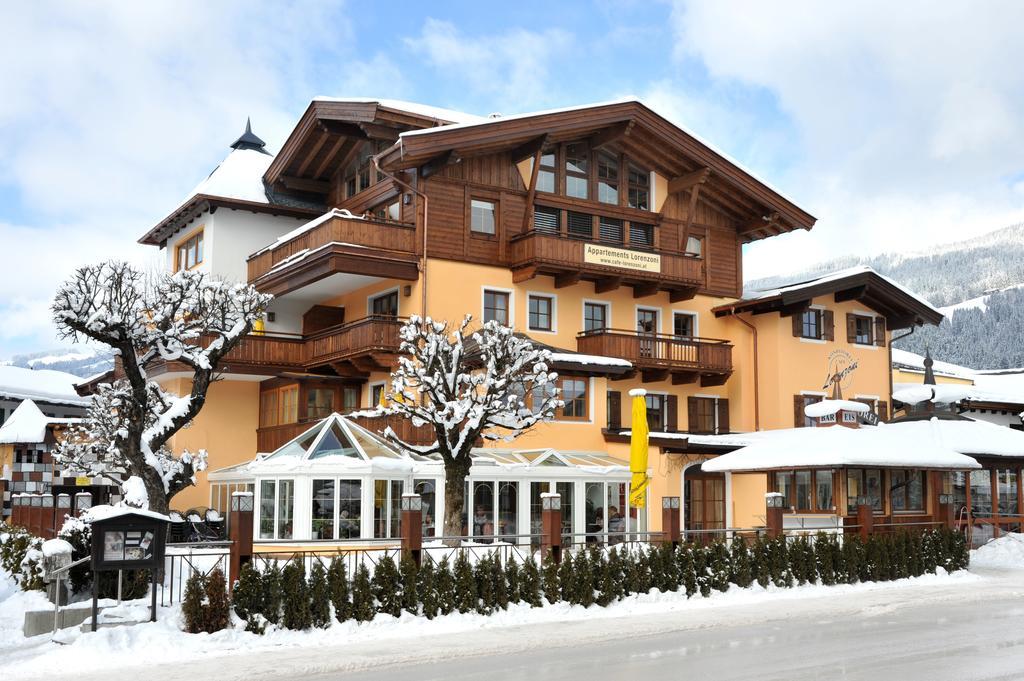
<point x="454" y="500"/>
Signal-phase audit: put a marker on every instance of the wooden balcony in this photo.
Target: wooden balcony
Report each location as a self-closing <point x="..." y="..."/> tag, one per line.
<point x="353" y="349"/>
<point x="660" y="356"/>
<point x="336" y="243"/>
<point x="272" y="437"/>
<point x="609" y="265"/>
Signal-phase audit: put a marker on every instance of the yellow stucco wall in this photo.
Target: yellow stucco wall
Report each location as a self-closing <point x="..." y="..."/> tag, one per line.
<point x="904" y="376"/>
<point x="225" y="428"/>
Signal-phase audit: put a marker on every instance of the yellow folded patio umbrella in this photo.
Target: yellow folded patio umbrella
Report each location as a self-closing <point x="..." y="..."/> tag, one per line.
<point x="638" y="450"/>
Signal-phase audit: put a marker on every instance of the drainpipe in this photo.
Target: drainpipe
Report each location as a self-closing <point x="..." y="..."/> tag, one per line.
<point x="757" y="391"/>
<point x="423" y="257"/>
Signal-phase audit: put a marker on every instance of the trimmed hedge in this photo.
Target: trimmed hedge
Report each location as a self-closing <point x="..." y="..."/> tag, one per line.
<point x="588" y="577"/>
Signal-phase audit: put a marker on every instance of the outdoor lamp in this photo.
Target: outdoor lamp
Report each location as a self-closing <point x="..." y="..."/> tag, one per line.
<point x="946" y="499"/>
<point x="670" y="502"/>
<point x="242" y="501"/>
<point x="37" y="500"/>
<point x="63" y="501"/>
<point x="46" y="500"/>
<point x="551" y="501"/>
<point x="774" y="500"/>
<point x="864" y="501"/>
<point x="412" y="502"/>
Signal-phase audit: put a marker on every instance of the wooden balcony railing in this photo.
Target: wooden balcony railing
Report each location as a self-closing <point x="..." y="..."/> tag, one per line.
<point x="550" y="252"/>
<point x="269" y="349"/>
<point x="373" y="334"/>
<point x="654" y="350"/>
<point x="270" y="438"/>
<point x="369" y="233"/>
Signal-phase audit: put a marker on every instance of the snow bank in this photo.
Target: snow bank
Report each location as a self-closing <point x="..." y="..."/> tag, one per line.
<point x="163" y="642"/>
<point x="1006" y="552"/>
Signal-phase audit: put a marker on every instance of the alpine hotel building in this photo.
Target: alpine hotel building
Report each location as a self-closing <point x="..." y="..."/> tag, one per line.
<point x="605" y="232"/>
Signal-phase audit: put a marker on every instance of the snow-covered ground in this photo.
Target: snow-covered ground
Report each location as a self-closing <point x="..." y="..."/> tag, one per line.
<point x="114" y="652"/>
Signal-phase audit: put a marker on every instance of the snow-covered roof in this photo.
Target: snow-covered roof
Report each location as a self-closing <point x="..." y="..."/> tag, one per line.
<point x="239" y="176"/>
<point x="27" y="425"/>
<point x="826" y="407"/>
<point x="42" y="385"/>
<point x="104" y="511"/>
<point x="426" y="110"/>
<point x="836" y="277"/>
<point x="909" y="444"/>
<point x="904" y="359"/>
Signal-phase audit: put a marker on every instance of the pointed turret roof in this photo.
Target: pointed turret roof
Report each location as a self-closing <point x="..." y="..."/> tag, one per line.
<point x="929" y="375"/>
<point x="248" y="140"/>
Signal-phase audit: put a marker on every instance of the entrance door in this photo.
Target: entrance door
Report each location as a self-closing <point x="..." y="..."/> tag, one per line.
<point x="704" y="505"/>
<point x="647" y="325"/>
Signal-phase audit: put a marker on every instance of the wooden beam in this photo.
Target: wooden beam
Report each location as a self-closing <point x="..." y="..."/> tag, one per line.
<point x="678" y="295"/>
<point x="610" y="134"/>
<point x="567" y="279"/>
<point x="435" y="164"/>
<point x="645" y="290"/>
<point x="528" y="148"/>
<point x="761" y="224"/>
<point x="376" y="131"/>
<point x="794" y="308"/>
<point x="684" y="182"/>
<point x="684" y="377"/>
<point x="347" y="370"/>
<point x="710" y="380"/>
<point x="531" y="192"/>
<point x="850" y="294"/>
<point x="653" y="375"/>
<point x="304" y="166"/>
<point x="524" y="274"/>
<point x="331" y="154"/>
<point x="303" y="185"/>
<point x="365" y="363"/>
<point x="607" y="284"/>
<point x="344" y="129"/>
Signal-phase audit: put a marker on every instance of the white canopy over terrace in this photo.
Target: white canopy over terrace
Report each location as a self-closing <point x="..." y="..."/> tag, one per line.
<point x="340" y="481"/>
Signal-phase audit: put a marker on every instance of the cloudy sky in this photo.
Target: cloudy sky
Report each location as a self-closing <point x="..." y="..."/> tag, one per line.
<point x="898" y="125"/>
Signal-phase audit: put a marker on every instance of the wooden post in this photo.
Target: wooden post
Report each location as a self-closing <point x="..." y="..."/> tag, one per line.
<point x="240" y="533"/>
<point x="16" y="512"/>
<point x="83" y="502"/>
<point x="773" y="502"/>
<point x="35" y="515"/>
<point x="551" y="525"/>
<point x="865" y="517"/>
<point x="945" y="514"/>
<point x="412" y="527"/>
<point x="63" y="508"/>
<point x="670" y="520"/>
<point x="47" y="516"/>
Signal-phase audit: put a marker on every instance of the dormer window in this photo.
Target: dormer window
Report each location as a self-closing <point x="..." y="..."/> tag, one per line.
<point x="607" y="179"/>
<point x="639" y="188"/>
<point x="546" y="174"/>
<point x="577" y="164"/>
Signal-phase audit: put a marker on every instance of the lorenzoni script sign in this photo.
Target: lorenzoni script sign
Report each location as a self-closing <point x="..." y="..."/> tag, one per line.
<point x="620" y="257"/>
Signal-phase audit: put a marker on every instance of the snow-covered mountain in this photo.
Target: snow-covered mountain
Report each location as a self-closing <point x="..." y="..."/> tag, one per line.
<point x="80" y="360"/>
<point x="978" y="284"/>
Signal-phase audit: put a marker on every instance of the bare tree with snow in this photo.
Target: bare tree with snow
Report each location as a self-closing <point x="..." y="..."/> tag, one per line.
<point x="185" y="317"/>
<point x="467" y="389"/>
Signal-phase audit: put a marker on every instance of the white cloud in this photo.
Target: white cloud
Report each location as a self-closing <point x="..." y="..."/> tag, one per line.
<point x="110" y="112"/>
<point x="511" y="69"/>
<point x="907" y="118"/>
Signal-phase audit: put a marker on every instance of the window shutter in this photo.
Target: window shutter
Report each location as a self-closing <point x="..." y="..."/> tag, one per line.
<point x="691" y="414"/>
<point x="880" y="331"/>
<point x="883" y="410"/>
<point x="614" y="410"/>
<point x="798" y="411"/>
<point x="828" y="324"/>
<point x="798" y="324"/>
<point x="723" y="417"/>
<point x="672" y="415"/>
<point x="851" y="328"/>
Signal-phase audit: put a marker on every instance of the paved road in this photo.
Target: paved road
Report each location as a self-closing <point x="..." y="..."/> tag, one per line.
<point x="969" y="629"/>
<point x="962" y="641"/>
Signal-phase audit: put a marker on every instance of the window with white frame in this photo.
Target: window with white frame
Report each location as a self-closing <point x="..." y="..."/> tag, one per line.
<point x="277" y="509"/>
<point x="541" y="312"/>
<point x="482" y="216"/>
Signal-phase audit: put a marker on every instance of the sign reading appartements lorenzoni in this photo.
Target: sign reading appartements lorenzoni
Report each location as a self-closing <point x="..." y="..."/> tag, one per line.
<point x="622" y="258"/>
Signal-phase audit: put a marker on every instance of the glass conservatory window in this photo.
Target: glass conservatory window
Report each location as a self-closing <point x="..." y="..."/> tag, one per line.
<point x="267" y="496"/>
<point x="322" y="526"/>
<point x="334" y="443"/>
<point x="350" y="504"/>
<point x="427" y="489"/>
<point x="508" y="510"/>
<point x="387" y="509"/>
<point x="285" y="508"/>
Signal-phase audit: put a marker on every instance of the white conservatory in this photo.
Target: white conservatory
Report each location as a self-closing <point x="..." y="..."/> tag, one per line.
<point x="339" y="482"/>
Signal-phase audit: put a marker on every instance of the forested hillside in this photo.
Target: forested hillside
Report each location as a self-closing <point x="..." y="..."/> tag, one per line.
<point x="985" y="333"/>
